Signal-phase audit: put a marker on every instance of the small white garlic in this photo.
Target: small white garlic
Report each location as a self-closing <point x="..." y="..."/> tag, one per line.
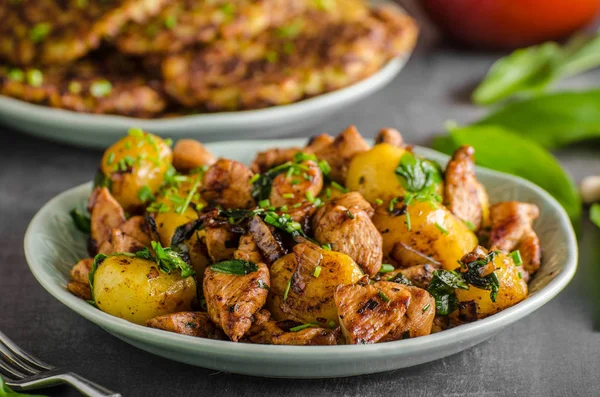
<point x="589" y="188"/>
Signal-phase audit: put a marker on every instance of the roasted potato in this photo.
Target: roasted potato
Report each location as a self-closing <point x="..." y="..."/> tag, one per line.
<point x="136" y="290"/>
<point x="476" y="303"/>
<point x="434" y="233"/>
<point x="309" y="298"/>
<point x="137" y="163"/>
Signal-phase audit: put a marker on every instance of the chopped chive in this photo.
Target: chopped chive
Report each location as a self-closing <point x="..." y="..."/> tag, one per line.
<point x="424" y="309"/>
<point x="331" y="324"/>
<point x="39" y="31"/>
<point x="328" y="193"/>
<point x="264" y="203"/>
<point x="520" y="275"/>
<point x="169" y="143"/>
<point x="145" y="194"/>
<point x="383" y="296"/>
<point x="288" y="195"/>
<point x="297" y="205"/>
<point x="516" y="257"/>
<point x="386" y="268"/>
<point x="303" y="326"/>
<point x="74" y="87"/>
<point x="295" y="182"/>
<point x="339" y="187"/>
<point x="408" y="222"/>
<point x="283" y="208"/>
<point x="349" y="214"/>
<point x="287" y="289"/>
<point x="100" y="88"/>
<point x="470" y="225"/>
<point x="254" y="178"/>
<point x="170" y="21"/>
<point x="317" y="272"/>
<point x="442" y="228"/>
<point x="35" y="77"/>
<point x="309" y="196"/>
<point x="378" y="201"/>
<point x="393" y="204"/>
<point x="188" y="199"/>
<point x="136" y="132"/>
<point x="110" y="158"/>
<point x="16" y="75"/>
<point x="326" y="247"/>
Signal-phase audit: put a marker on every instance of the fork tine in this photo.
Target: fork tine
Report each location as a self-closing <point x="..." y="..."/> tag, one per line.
<point x="22" y="355"/>
<point x="13" y="361"/>
<point x="8" y="370"/>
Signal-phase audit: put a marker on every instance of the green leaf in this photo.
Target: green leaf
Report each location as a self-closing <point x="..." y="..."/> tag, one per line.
<point x="237" y="267"/>
<point x="552" y="120"/>
<point x="500" y="149"/>
<point x="169" y="260"/>
<point x="442" y="287"/>
<point x="471" y="273"/>
<point x="418" y="174"/>
<point x="526" y="70"/>
<point x="595" y="214"/>
<point x="581" y="53"/>
<point x="5" y="391"/>
<point x="82" y="222"/>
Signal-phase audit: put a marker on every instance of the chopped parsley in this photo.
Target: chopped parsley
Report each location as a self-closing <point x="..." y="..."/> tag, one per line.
<point x="236" y="267"/>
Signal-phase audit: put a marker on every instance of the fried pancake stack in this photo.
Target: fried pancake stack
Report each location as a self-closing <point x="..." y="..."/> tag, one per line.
<point x="150" y="58"/>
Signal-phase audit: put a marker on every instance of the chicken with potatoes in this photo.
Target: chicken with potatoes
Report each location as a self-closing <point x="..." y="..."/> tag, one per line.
<point x="332" y="243"/>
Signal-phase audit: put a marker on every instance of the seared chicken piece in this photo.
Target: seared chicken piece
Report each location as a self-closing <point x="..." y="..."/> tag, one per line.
<point x="81" y="271"/>
<point x="418" y="275"/>
<point x="418" y="319"/>
<point x="232" y="300"/>
<point x="189" y="154"/>
<point x="248" y="250"/>
<point x="270" y="333"/>
<point x="137" y="228"/>
<point x="220" y="243"/>
<point x="268" y="159"/>
<point x="340" y="152"/>
<point x="106" y="215"/>
<point x="269" y="246"/>
<point x="512" y="229"/>
<point x="302" y="213"/>
<point x="464" y="196"/>
<point x="318" y="142"/>
<point x="390" y="136"/>
<point x="188" y="323"/>
<point x="287" y="190"/>
<point x="80" y="290"/>
<point x="349" y="230"/>
<point x="367" y="313"/>
<point x="353" y="200"/>
<point x="121" y="242"/>
<point x="227" y="183"/>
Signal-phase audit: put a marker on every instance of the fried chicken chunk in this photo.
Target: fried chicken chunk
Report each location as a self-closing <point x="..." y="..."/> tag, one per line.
<point x="269" y="246"/>
<point x="464" y="196"/>
<point x="227" y="183"/>
<point x="390" y="136"/>
<point x="418" y="275"/>
<point x="80" y="282"/>
<point x="277" y="333"/>
<point x="287" y="190"/>
<point x="248" y="250"/>
<point x="107" y="214"/>
<point x="340" y="152"/>
<point x="512" y="229"/>
<point x="188" y="323"/>
<point x="221" y="243"/>
<point x="418" y="319"/>
<point x="369" y="312"/>
<point x="349" y="230"/>
<point x="189" y="154"/>
<point x="232" y="300"/>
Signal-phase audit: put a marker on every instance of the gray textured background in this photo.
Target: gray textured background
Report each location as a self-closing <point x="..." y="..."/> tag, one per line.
<point x="553" y="352"/>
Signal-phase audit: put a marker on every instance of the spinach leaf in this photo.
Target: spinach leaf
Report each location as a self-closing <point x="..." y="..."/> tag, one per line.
<point x="595" y="214"/>
<point x="500" y="149"/>
<point x="442" y="287"/>
<point x="5" y="391"/>
<point x="471" y="273"/>
<point x="81" y="221"/>
<point x="237" y="267"/>
<point x="552" y="120"/>
<point x="527" y="70"/>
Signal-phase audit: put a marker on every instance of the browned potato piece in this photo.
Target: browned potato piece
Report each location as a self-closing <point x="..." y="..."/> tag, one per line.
<point x="227" y="183"/>
<point x="295" y="188"/>
<point x="220" y="243"/>
<point x="512" y="228"/>
<point x="232" y="300"/>
<point x="464" y="196"/>
<point x="340" y="152"/>
<point x="349" y="230"/>
<point x="188" y="323"/>
<point x="137" y="161"/>
<point x="390" y="136"/>
<point x="297" y="294"/>
<point x="107" y="215"/>
<point x="270" y="333"/>
<point x="367" y="313"/>
<point x="418" y="319"/>
<point x="189" y="154"/>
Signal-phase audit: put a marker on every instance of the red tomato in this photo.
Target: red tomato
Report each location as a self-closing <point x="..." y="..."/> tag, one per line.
<point x="510" y="23"/>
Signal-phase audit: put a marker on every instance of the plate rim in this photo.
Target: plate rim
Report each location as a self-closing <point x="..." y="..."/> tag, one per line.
<point x="422" y="344"/>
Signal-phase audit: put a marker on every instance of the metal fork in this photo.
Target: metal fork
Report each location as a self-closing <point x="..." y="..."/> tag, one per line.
<point x="23" y="372"/>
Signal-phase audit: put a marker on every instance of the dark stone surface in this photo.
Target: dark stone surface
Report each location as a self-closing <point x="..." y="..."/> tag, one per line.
<point x="553" y="352"/>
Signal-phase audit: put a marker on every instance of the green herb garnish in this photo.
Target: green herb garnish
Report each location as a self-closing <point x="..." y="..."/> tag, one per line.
<point x="39" y="31"/>
<point x="471" y="273"/>
<point x="100" y="88"/>
<point x="386" y="268"/>
<point x="383" y="296"/>
<point x="304" y="326"/>
<point x="317" y="272"/>
<point x="236" y="267"/>
<point x="81" y="221"/>
<point x="442" y="287"/>
<point x="516" y="257"/>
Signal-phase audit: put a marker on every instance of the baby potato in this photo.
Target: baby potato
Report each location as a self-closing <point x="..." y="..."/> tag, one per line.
<point x="476" y="303"/>
<point x="309" y="298"/>
<point x="134" y="165"/>
<point x="136" y="290"/>
<point x="434" y="234"/>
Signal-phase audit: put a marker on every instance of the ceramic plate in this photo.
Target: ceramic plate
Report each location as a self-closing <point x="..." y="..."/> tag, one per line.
<point x="53" y="245"/>
<point x="94" y="130"/>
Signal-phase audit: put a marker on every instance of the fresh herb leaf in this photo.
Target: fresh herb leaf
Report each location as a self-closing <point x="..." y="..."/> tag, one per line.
<point x="261" y="187"/>
<point x="418" y="175"/>
<point x="595" y="214"/>
<point x="284" y="222"/>
<point x="304" y="326"/>
<point x="169" y="260"/>
<point x="101" y="180"/>
<point x="400" y="279"/>
<point x="145" y="194"/>
<point x="442" y="287"/>
<point x="519" y="156"/>
<point x="471" y="273"/>
<point x="81" y="221"/>
<point x="185" y="231"/>
<point x="237" y="267"/>
<point x="181" y="209"/>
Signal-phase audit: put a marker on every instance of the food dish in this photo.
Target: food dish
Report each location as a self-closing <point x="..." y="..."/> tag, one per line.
<point x="213" y="57"/>
<point x="550" y="265"/>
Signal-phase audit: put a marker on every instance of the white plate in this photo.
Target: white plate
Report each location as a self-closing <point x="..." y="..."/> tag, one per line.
<point x="53" y="245"/>
<point x="94" y="130"/>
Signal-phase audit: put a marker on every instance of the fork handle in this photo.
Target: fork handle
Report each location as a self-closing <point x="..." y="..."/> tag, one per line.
<point x="87" y="387"/>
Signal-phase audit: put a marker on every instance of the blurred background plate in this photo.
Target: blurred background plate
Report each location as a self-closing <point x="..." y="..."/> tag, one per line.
<point x="102" y="130"/>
